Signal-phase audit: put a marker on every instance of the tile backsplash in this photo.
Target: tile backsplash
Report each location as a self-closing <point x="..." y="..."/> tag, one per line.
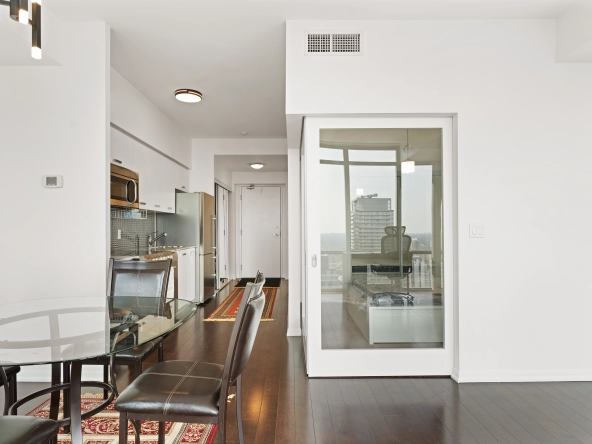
<point x="134" y="232"/>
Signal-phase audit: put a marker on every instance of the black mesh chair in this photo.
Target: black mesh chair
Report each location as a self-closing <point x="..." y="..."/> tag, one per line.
<point x="134" y="278"/>
<point x="195" y="392"/>
<point x="10" y="386"/>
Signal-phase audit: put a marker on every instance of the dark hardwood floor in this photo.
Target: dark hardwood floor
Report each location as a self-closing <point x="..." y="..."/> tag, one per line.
<point x="281" y="405"/>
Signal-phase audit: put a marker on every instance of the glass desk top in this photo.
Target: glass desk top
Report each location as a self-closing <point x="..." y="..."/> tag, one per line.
<point x="43" y="331"/>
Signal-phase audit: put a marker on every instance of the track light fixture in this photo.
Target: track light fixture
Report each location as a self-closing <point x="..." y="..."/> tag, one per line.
<point x="19" y="11"/>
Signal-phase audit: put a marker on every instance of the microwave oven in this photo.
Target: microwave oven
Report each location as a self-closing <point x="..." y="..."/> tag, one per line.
<point x="125" y="187"/>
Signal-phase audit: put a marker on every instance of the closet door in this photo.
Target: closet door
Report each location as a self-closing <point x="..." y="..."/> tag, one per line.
<point x="222" y="253"/>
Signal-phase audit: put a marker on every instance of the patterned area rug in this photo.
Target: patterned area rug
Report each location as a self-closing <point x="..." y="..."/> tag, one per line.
<point x="228" y="309"/>
<point x="103" y="428"/>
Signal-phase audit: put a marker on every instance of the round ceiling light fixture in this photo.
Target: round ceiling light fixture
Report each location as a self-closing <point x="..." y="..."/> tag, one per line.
<point x="257" y="166"/>
<point x="188" y="95"/>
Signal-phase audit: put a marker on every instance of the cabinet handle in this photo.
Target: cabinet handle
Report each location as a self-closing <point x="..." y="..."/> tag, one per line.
<point x="156" y="206"/>
<point x="117" y="161"/>
<point x="183" y="187"/>
<point x="170" y="208"/>
<point x="184" y="254"/>
<point x="142" y="203"/>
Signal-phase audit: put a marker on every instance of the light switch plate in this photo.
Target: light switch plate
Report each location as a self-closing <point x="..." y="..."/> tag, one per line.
<point x="53" y="181"/>
<point x="476" y="229"/>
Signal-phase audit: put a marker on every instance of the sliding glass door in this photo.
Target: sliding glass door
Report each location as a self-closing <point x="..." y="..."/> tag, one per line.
<point x="377" y="300"/>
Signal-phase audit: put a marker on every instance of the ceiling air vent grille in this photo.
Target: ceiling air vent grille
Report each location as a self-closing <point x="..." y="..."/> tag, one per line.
<point x="325" y="43"/>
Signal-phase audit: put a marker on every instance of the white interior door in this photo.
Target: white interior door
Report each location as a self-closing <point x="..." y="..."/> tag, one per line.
<point x="261" y="230"/>
<point x="372" y="185"/>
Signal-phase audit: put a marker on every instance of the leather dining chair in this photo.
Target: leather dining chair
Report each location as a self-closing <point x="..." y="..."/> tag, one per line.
<point x="28" y="430"/>
<point x="195" y="392"/>
<point x="134" y="278"/>
<point x="23" y="429"/>
<point x="10" y="385"/>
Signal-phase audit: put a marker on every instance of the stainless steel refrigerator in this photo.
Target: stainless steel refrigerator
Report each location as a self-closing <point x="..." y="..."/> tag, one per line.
<point x="194" y="223"/>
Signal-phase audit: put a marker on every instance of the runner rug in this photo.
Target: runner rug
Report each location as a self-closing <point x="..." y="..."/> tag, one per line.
<point x="228" y="309"/>
<point x="103" y="428"/>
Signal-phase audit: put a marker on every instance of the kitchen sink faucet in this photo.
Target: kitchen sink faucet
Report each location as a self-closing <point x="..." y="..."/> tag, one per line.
<point x="151" y="241"/>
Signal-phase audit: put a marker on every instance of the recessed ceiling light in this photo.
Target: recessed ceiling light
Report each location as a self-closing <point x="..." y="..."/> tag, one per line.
<point x="244" y="133"/>
<point x="188" y="95"/>
<point x="257" y="166"/>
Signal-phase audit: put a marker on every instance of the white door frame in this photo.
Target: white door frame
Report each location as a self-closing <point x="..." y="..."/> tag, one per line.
<point x="376" y="362"/>
<point x="283" y="224"/>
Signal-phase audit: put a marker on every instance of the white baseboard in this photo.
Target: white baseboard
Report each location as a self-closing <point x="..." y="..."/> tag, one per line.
<point x="454" y="374"/>
<point x="522" y="375"/>
<point x="294" y="332"/>
<point x="42" y="373"/>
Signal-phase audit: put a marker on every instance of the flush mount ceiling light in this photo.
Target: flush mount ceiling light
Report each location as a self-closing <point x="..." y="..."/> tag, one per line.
<point x="19" y="11"/>
<point x="409" y="165"/>
<point x="257" y="166"/>
<point x="188" y="95"/>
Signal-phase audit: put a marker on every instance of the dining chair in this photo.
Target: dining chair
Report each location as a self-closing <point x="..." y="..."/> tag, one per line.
<point x="23" y="429"/>
<point x="195" y="392"/>
<point x="28" y="430"/>
<point x="9" y="385"/>
<point x="133" y="278"/>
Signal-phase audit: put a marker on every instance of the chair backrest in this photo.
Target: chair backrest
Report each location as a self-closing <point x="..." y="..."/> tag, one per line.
<point x="390" y="242"/>
<point x="138" y="278"/>
<point x="244" y="332"/>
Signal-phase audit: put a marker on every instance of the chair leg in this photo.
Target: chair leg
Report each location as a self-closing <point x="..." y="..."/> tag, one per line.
<point x="239" y="411"/>
<point x="113" y="379"/>
<point x="122" y="428"/>
<point x="105" y="380"/>
<point x="161" y="433"/>
<point x="137" y="429"/>
<point x="138" y="368"/>
<point x="13" y="392"/>
<point x="160" y="352"/>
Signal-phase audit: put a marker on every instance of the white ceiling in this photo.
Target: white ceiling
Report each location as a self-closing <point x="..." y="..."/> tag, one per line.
<point x="242" y="164"/>
<point x="233" y="51"/>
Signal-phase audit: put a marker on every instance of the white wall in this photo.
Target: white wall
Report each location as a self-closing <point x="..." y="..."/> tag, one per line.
<point x="294" y="259"/>
<point x="138" y="116"/>
<point x="55" y="120"/>
<point x="574" y="33"/>
<point x="202" y="174"/>
<point x="523" y="156"/>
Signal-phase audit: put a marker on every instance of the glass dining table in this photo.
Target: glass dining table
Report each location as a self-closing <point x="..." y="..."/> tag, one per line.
<point x="65" y="331"/>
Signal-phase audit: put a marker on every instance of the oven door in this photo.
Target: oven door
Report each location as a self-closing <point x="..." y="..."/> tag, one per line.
<point x="124" y="191"/>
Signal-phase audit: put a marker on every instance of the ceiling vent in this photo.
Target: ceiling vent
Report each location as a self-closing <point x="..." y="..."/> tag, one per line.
<point x="334" y="43"/>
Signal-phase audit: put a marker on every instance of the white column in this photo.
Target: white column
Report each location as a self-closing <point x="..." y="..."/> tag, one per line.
<point x="294" y="265"/>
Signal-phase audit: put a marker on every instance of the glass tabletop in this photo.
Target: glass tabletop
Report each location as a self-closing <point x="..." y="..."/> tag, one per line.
<point x="43" y="331"/>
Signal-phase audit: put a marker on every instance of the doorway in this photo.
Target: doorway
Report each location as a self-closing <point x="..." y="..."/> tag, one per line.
<point x="260" y="230"/>
<point x="378" y="265"/>
<point x="222" y="235"/>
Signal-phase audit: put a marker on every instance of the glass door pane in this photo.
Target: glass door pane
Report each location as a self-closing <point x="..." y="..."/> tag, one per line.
<point x="381" y="238"/>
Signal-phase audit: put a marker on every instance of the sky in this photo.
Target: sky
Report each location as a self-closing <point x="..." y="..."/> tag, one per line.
<point x="416" y="194"/>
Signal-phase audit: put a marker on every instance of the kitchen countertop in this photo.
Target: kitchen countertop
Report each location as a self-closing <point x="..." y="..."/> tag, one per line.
<point x="147" y="255"/>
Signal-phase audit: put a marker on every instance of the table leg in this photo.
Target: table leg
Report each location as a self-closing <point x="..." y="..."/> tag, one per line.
<point x="66" y="372"/>
<point x="56" y="378"/>
<point x="75" y="407"/>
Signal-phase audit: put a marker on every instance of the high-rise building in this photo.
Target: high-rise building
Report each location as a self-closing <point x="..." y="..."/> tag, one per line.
<point x="369" y="216"/>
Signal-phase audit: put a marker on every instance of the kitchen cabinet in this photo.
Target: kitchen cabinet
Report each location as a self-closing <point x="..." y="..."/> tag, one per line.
<point x="159" y="175"/>
<point x="122" y="150"/>
<point x="186" y="283"/>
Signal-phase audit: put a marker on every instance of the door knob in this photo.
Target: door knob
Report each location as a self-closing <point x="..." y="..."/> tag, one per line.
<point x="275" y="234"/>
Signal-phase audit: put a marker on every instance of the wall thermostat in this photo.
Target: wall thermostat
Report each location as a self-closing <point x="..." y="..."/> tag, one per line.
<point x="53" y="181"/>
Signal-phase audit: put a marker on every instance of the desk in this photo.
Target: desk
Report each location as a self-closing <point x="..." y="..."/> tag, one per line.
<point x="69" y="330"/>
